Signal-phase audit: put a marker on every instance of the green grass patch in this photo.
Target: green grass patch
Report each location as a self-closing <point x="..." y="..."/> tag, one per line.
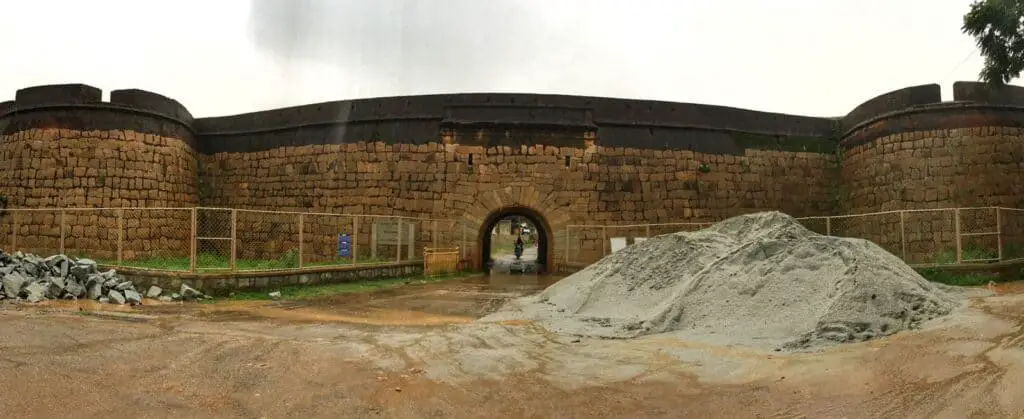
<point x="214" y="262"/>
<point x="968" y="254"/>
<point x="966" y="279"/>
<point x="300" y="292"/>
<point x="958" y="279"/>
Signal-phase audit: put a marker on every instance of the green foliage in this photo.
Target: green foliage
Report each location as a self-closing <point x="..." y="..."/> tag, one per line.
<point x="997" y="27"/>
<point x="962" y="280"/>
<point x="302" y="292"/>
<point x="948" y="257"/>
<point x="290" y="259"/>
<point x="216" y="262"/>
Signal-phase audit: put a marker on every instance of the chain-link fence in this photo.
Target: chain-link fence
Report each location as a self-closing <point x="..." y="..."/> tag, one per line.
<point x="215" y="239"/>
<point x="585" y="244"/>
<point x="1011" y="237"/>
<point x="223" y="239"/>
<point x="466" y="234"/>
<point x="218" y="239"/>
<point x="156" y="238"/>
<point x="919" y="237"/>
<point x="882" y="229"/>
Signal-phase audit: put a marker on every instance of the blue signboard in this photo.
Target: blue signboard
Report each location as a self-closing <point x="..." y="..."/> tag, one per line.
<point x="344" y="246"/>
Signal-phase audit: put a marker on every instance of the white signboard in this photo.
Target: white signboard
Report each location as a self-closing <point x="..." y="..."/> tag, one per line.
<point x="618" y="243"/>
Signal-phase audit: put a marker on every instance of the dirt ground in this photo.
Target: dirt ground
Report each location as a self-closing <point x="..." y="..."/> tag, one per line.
<point x="413" y="352"/>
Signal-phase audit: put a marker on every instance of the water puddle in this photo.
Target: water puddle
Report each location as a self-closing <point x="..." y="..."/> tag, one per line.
<point x="1015" y="287"/>
<point x="417" y="305"/>
<point x="250" y="310"/>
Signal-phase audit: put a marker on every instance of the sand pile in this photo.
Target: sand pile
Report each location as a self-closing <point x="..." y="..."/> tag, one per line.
<point x="759" y="279"/>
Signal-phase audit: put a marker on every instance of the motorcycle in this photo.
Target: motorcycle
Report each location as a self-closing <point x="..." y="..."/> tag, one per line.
<point x="519" y="250"/>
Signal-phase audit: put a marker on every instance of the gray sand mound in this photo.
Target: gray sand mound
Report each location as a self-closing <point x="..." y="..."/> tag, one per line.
<point x="759" y="279"/>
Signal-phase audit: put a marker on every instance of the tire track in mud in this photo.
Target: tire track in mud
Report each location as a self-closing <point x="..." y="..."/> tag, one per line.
<point x="911" y="399"/>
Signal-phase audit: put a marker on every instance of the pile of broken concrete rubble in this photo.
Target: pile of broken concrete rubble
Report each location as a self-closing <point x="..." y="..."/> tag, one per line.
<point x="27" y="277"/>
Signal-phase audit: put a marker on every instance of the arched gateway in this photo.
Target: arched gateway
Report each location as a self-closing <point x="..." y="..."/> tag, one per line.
<point x="545" y="235"/>
<point x="530" y="202"/>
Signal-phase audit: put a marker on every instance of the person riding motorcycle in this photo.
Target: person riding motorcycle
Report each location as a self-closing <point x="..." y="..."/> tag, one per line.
<point x="519" y="247"/>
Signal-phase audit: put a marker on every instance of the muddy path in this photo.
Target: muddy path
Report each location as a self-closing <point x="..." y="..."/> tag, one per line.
<point x="412" y="352"/>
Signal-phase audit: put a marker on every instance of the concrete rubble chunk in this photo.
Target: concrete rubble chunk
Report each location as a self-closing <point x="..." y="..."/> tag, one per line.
<point x="154" y="291"/>
<point x="94" y="289"/>
<point x="13" y="283"/>
<point x="55" y="288"/>
<point x="276" y="295"/>
<point x="80" y="272"/>
<point x="189" y="293"/>
<point x="111" y="283"/>
<point x="28" y="277"/>
<point x="36" y="291"/>
<point x="74" y="289"/>
<point x="89" y="263"/>
<point x="116" y="297"/>
<point x="132" y="297"/>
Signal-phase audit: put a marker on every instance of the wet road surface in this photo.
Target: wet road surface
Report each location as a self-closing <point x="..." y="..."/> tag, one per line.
<point x="411" y="352"/>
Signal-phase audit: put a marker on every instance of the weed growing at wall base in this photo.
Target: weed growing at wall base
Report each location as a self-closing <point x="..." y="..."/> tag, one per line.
<point x="969" y="279"/>
<point x="214" y="262"/>
<point x="958" y="279"/>
<point x="301" y="292"/>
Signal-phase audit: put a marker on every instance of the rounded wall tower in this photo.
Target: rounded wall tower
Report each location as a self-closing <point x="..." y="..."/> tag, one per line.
<point x="909" y="150"/>
<point x="61" y="146"/>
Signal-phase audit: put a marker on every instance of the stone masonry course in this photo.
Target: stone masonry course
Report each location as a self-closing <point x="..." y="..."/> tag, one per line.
<point x="573" y="160"/>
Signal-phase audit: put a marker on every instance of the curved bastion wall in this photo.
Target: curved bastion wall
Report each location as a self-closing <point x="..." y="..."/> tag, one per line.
<point x="61" y="146"/>
<point x="916" y="152"/>
<point x="575" y="160"/>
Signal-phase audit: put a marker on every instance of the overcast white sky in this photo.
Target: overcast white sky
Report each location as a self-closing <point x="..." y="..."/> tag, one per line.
<point x="219" y="57"/>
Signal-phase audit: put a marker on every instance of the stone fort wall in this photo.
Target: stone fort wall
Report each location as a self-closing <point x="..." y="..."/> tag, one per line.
<point x="575" y="160"/>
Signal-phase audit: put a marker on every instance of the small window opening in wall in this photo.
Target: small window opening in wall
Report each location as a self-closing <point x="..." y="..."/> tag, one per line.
<point x="567" y="161"/>
<point x="470" y="159"/>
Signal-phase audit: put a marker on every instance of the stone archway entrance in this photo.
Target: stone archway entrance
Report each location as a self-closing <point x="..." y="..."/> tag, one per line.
<point x="544" y="234"/>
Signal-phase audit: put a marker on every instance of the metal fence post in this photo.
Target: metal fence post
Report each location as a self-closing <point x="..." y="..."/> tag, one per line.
<point x="233" y="263"/>
<point x="903" y="234"/>
<point x="604" y="241"/>
<point x="302" y="224"/>
<point x="14" y="232"/>
<point x="120" y="236"/>
<point x="959" y="245"/>
<point x="828" y="226"/>
<point x="192" y="247"/>
<point x="61" y="232"/>
<point x="999" y="232"/>
<point x="398" y="250"/>
<point x="355" y="239"/>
